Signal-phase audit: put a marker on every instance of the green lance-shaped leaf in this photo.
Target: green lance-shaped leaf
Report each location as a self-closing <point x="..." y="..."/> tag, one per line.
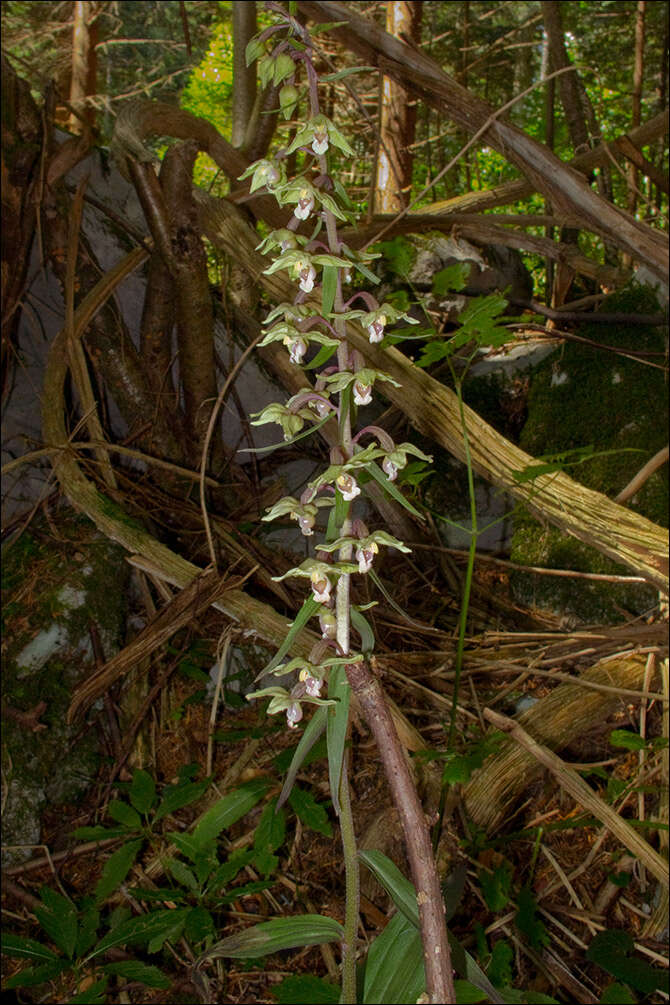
<point x="117" y="868"/>
<point x="311" y="813"/>
<point x="175" y="797"/>
<point x="404" y="897"/>
<point x="394" y="970"/>
<point x="275" y="936"/>
<point x="328" y="288"/>
<point x="25" y="949"/>
<point x="142" y="791"/>
<point x="311" y="733"/>
<point x="124" y="814"/>
<point x="149" y="929"/>
<point x="337" y="722"/>
<point x="30" y="977"/>
<point x="143" y="973"/>
<point x="364" y="629"/>
<point x="228" y="810"/>
<point x="58" y="917"/>
<point x="306" y="612"/>
<point x="380" y="477"/>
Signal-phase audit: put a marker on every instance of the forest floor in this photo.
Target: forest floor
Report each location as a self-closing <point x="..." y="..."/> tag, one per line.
<point x="534" y="892"/>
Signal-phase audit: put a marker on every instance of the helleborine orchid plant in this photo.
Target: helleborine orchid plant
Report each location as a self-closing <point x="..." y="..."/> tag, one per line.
<point x="309" y="251"/>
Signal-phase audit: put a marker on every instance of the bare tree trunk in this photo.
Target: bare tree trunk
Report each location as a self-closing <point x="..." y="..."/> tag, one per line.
<point x="244" y="77"/>
<point x="549" y="109"/>
<point x="638" y="75"/>
<point x="82" y="81"/>
<point x="398" y="118"/>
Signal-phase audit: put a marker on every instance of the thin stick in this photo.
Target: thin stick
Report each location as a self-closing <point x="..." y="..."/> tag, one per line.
<point x="208" y="436"/>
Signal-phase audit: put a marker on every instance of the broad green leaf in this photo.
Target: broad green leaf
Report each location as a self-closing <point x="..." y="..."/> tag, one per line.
<point x="142" y="791"/>
<point x="199" y="925"/>
<point x="124" y="814"/>
<point x="396" y="885"/>
<point x="143" y="973"/>
<point x="611" y="949"/>
<point x="276" y="935"/>
<point x="497" y="886"/>
<point x="451" y="279"/>
<point x="468" y="994"/>
<point x="98" y="833"/>
<point x="527" y="920"/>
<point x="311" y="733"/>
<point x="626" y="739"/>
<point x="117" y="868"/>
<point x="58" y="918"/>
<point x="25" y="949"/>
<point x="182" y="874"/>
<point x="404" y="896"/>
<point x="269" y="836"/>
<point x="186" y="845"/>
<point x="88" y="927"/>
<point x="337" y="722"/>
<point x="394" y="971"/>
<point x="175" y="797"/>
<point x="617" y="994"/>
<point x="328" y="288"/>
<point x="93" y="995"/>
<point x="225" y="812"/>
<point x="32" y="976"/>
<point x="306" y="990"/>
<point x="149" y="929"/>
<point x="311" y="813"/>
<point x="228" y="870"/>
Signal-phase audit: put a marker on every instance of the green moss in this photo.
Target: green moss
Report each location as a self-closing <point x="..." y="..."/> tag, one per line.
<point x="585" y="396"/>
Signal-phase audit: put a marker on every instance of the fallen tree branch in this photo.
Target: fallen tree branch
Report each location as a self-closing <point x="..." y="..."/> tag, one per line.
<point x="567" y="189"/>
<point x="433" y="410"/>
<point x="575" y="785"/>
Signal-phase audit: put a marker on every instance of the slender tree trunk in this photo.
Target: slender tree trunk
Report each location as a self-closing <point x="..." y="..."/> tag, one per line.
<point x="638" y="75"/>
<point x="398" y="118"/>
<point x="549" y="108"/>
<point x="82" y="81"/>
<point x="244" y="77"/>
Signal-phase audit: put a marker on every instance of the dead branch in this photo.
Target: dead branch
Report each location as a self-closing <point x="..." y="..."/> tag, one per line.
<point x="567" y="190"/>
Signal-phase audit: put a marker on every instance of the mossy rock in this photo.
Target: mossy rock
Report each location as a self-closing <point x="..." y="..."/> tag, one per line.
<point x="56" y="581"/>
<point x="586" y="398"/>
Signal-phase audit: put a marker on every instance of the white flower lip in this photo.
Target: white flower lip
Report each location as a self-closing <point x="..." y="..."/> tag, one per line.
<point x="390" y="469"/>
<point x="307" y="277"/>
<point x="362" y="393"/>
<point x="321" y="587"/>
<point x="348" y="486"/>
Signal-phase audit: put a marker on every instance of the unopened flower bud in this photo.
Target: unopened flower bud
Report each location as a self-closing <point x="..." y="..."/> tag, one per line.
<point x="328" y="624"/>
<point x="293" y="714"/>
